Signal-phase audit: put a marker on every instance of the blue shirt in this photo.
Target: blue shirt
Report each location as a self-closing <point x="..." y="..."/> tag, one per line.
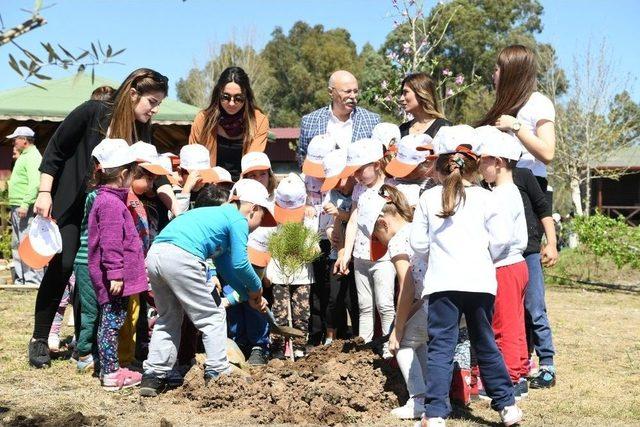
<point x="219" y="233"/>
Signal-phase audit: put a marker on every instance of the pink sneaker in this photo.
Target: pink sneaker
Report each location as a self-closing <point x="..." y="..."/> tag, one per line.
<point x="122" y="378"/>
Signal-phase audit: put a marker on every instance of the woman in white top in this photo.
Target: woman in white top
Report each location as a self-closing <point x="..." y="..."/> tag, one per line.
<point x="521" y="110"/>
<point x="462" y="232"/>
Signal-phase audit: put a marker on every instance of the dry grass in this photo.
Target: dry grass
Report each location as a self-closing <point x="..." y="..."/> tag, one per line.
<point x="596" y="336"/>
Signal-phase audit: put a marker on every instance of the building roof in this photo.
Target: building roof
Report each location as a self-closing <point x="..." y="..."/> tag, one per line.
<point x="286" y="133"/>
<point x="626" y="158"/>
<point x="63" y="95"/>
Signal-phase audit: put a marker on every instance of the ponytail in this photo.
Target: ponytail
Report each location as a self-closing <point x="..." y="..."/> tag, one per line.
<point x="397" y="203"/>
<point x="455" y="167"/>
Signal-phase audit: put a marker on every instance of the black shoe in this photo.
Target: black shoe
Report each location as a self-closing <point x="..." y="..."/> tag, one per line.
<point x="39" y="353"/>
<point x="521" y="388"/>
<point x="546" y="378"/>
<point x="152" y="386"/>
<point x="257" y="357"/>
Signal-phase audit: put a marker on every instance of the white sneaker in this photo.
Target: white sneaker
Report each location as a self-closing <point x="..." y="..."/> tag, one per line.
<point x="412" y="410"/>
<point x="54" y="342"/>
<point x="431" y="422"/>
<point x="511" y="415"/>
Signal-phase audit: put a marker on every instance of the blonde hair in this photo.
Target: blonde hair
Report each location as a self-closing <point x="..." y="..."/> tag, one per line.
<point x="455" y="167"/>
<point x="123" y="121"/>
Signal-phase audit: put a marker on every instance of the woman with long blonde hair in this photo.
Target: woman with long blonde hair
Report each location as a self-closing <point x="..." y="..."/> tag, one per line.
<point x="419" y="99"/>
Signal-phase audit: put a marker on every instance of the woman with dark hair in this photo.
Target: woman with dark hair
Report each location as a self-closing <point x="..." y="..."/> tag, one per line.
<point x="65" y="170"/>
<point x="521" y="110"/>
<point x="418" y="98"/>
<point x="232" y="125"/>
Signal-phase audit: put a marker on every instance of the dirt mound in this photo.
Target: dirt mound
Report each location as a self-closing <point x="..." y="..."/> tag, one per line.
<point x="73" y="419"/>
<point x="342" y="383"/>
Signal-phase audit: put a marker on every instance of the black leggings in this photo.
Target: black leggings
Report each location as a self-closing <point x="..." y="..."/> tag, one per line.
<point x="343" y="298"/>
<point x="57" y="276"/>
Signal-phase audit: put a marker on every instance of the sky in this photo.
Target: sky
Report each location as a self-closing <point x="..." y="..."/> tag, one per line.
<point x="173" y="35"/>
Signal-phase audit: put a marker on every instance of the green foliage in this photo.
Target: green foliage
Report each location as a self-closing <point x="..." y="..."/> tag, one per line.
<point x="5" y="243"/>
<point x="610" y="238"/>
<point x="293" y="245"/>
<point x="301" y="63"/>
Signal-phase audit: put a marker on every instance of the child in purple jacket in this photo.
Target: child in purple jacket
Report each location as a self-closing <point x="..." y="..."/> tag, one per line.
<point x="116" y="258"/>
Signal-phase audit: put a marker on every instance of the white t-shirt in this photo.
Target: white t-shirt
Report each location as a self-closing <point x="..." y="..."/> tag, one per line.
<point x="537" y="108"/>
<point x="341" y="131"/>
<point x="362" y="195"/>
<point x="508" y="197"/>
<point x="400" y="245"/>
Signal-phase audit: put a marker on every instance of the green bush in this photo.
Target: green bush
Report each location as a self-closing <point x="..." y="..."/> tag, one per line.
<point x="610" y="238"/>
<point x="5" y="243"/>
<point x="292" y="246"/>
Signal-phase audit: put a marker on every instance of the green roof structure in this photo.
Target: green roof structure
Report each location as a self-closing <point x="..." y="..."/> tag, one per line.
<point x="63" y="95"/>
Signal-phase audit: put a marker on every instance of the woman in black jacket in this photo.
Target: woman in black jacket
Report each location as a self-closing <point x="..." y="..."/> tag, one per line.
<point x="65" y="172"/>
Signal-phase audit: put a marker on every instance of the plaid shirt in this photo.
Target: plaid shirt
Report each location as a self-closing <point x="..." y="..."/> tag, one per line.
<point x="315" y="123"/>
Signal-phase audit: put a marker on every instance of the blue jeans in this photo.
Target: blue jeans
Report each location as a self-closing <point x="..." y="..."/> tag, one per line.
<point x="536" y="318"/>
<point x="445" y="309"/>
<point x="247" y="327"/>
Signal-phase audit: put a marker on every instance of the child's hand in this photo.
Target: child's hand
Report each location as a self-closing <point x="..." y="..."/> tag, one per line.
<point x="549" y="255"/>
<point x="116" y="287"/>
<point x="394" y="342"/>
<point x="309" y="211"/>
<point x="216" y="284"/>
<point x="192" y="180"/>
<point x="342" y="264"/>
<point x="266" y="283"/>
<point x="259" y="304"/>
<point x="330" y="208"/>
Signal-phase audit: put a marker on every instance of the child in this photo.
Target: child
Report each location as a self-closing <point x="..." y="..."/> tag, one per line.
<point x="116" y="259"/>
<point x="178" y="276"/>
<point x="149" y="167"/>
<point x="500" y="152"/>
<point x="224" y="178"/>
<point x="67" y="297"/>
<point x="195" y="171"/>
<point x="294" y="292"/>
<point x="342" y="288"/>
<point x="248" y="328"/>
<point x="318" y="149"/>
<point x="388" y="222"/>
<point x="411" y="167"/>
<point x="375" y="280"/>
<point x="461" y="231"/>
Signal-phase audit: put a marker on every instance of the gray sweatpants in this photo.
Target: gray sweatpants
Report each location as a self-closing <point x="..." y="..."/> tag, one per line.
<point x="178" y="281"/>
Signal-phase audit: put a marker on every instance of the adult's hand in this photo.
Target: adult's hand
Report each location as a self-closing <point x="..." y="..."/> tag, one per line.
<point x="505" y="122"/>
<point x="549" y="255"/>
<point x="42" y="206"/>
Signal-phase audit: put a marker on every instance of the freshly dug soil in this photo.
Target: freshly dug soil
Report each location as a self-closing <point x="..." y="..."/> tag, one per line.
<point x="73" y="419"/>
<point x="345" y="382"/>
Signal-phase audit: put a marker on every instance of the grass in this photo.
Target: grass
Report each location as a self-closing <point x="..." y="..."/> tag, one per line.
<point x="598" y="359"/>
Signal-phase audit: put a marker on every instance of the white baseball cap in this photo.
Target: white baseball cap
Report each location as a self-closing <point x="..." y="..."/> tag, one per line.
<point x="165" y="162"/>
<point x="408" y="155"/>
<point x="387" y="133"/>
<point x="254" y="161"/>
<point x="22" y="131"/>
<point x="360" y="153"/>
<point x="318" y="148"/>
<point x="455" y="139"/>
<point x="223" y="174"/>
<point x="258" y="246"/>
<point x="333" y="165"/>
<point x="112" y="153"/>
<point x="195" y="157"/>
<point x="291" y="198"/>
<point x="251" y="191"/>
<point x="495" y="143"/>
<point x="368" y="214"/>
<point x="41" y="243"/>
<point x="147" y="157"/>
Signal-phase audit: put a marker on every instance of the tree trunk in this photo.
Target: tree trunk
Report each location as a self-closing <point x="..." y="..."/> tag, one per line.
<point x="576" y="196"/>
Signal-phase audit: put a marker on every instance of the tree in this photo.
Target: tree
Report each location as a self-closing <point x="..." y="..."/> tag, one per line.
<point x="473" y="32"/>
<point x="301" y="63"/>
<point x="591" y="126"/>
<point x="32" y="67"/>
<point x="196" y="88"/>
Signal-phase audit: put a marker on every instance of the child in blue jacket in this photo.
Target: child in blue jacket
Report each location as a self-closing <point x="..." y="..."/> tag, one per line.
<point x="178" y="277"/>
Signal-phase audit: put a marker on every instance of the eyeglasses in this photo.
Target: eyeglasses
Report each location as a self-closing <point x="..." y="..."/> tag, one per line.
<point x="347" y="92"/>
<point x="238" y="99"/>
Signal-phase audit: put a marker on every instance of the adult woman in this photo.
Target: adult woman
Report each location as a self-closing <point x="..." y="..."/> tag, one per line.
<point x="530" y="116"/>
<point x="520" y="109"/>
<point x="418" y="98"/>
<point x="64" y="174"/>
<point x="232" y="125"/>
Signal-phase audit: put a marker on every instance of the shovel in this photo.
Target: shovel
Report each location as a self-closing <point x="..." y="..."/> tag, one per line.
<point x="285" y="331"/>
